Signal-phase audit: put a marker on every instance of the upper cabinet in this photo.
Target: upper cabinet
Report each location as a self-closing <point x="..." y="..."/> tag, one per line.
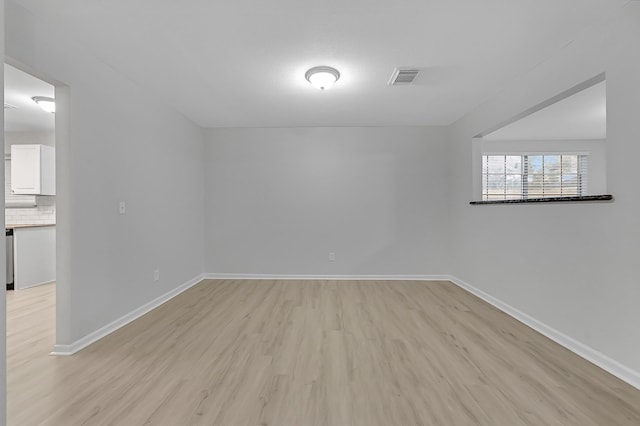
<point x="33" y="170"/>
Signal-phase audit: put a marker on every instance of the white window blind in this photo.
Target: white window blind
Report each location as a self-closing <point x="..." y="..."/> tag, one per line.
<point x="515" y="177"/>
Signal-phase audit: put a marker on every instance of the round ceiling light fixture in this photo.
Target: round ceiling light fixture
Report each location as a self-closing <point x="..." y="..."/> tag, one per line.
<point x="322" y="77"/>
<point x="46" y="103"/>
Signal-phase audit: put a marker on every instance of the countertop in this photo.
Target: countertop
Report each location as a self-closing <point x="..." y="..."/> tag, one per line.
<point x="35" y="225"/>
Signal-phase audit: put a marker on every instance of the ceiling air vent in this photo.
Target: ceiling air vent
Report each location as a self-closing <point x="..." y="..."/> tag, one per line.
<point x="402" y="76"/>
<point x="9" y="106"/>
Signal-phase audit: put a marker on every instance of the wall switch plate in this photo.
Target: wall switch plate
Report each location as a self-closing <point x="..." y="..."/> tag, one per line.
<point x="123" y="207"/>
<point x="332" y="256"/>
<point x="156" y="275"/>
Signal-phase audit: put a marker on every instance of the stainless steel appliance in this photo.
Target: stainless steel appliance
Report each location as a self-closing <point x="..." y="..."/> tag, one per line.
<point x="9" y="240"/>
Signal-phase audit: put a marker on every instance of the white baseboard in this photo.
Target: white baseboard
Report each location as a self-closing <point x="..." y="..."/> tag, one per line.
<point x="612" y="366"/>
<point x="33" y="285"/>
<point x="216" y="276"/>
<point x="65" y="350"/>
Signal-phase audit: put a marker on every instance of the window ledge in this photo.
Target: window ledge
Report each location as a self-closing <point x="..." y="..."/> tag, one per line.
<point x="606" y="197"/>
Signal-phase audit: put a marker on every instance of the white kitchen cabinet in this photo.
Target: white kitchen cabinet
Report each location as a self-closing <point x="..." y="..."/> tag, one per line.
<point x="33" y="170"/>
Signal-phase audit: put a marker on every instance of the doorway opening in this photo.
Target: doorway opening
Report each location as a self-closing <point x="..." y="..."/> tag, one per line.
<point x="36" y="215"/>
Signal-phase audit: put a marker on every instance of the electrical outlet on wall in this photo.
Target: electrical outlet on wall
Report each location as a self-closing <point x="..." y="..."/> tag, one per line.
<point x="123" y="207"/>
<point x="156" y="275"/>
<point x="332" y="256"/>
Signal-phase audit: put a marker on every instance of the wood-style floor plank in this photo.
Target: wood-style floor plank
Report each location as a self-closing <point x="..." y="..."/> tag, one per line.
<point x="240" y="352"/>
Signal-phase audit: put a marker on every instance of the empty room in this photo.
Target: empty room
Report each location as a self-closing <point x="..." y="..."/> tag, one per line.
<point x="340" y="213"/>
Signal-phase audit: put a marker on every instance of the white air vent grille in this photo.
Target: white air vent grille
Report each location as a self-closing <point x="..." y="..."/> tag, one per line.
<point x="403" y="76"/>
<point x="9" y="106"/>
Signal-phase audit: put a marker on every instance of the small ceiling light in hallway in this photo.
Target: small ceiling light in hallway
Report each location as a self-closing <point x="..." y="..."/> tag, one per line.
<point x="46" y="103"/>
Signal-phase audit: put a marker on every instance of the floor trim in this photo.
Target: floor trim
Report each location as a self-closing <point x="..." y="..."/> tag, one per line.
<point x="610" y="365"/>
<point x="66" y="350"/>
<point x="409" y="277"/>
<point x="33" y="285"/>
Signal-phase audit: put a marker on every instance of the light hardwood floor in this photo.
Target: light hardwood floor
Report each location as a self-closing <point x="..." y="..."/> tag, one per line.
<point x="237" y="352"/>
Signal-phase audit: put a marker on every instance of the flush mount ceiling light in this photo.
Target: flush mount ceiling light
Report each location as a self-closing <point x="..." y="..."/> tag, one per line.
<point x="47" y="104"/>
<point x="322" y="77"/>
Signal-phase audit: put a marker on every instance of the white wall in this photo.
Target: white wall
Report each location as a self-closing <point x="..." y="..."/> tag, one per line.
<point x="21" y="138"/>
<point x="571" y="266"/>
<point x="279" y="200"/>
<point x="3" y="305"/>
<point x="120" y="144"/>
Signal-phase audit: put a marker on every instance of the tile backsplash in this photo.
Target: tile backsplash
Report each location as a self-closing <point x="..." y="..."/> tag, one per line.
<point x="43" y="213"/>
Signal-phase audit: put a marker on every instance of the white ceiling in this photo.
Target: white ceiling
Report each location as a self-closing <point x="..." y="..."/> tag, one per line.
<point x="19" y="88"/>
<point x="241" y="63"/>
<point x="577" y="117"/>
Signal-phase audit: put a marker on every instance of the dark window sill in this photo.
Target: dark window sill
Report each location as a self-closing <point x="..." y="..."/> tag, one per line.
<point x="606" y="197"/>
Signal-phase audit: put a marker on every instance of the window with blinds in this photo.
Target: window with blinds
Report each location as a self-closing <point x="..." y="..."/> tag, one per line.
<point x="516" y="177"/>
